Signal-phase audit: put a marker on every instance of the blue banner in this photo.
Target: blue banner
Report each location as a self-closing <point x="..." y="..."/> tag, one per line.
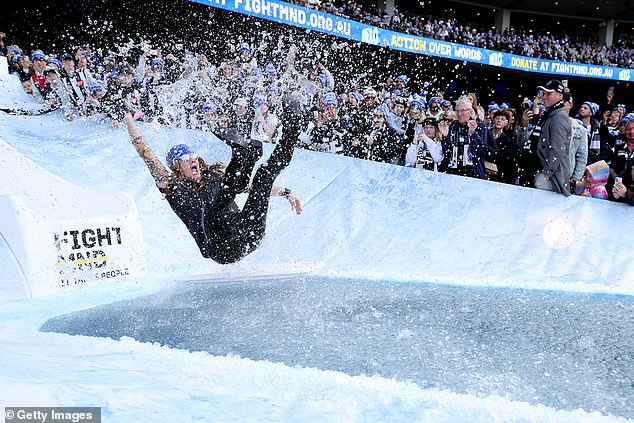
<point x="290" y="14"/>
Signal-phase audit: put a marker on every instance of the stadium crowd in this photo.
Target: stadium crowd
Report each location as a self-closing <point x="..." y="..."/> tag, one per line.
<point x="384" y="122"/>
<point x="519" y="41"/>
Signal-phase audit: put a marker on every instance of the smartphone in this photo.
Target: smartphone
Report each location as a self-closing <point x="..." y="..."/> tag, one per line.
<point x="565" y="83"/>
<point x="618" y="180"/>
<point x="611" y="91"/>
<point x="540" y="93"/>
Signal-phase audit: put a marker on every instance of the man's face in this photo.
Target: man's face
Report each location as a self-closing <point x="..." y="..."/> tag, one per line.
<point x="28" y="87"/>
<point x="240" y="110"/>
<point x="68" y="65"/>
<point x="189" y="166"/>
<point x="52" y="78"/>
<point x="210" y="117"/>
<point x="551" y="98"/>
<point x="369" y="99"/>
<point x="585" y="111"/>
<point x="330" y="111"/>
<point x="40" y="64"/>
<point x="378" y="119"/>
<point x="463" y="112"/>
<point x="127" y="79"/>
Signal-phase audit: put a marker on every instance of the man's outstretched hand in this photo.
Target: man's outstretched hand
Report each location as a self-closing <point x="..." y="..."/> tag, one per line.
<point x="294" y="202"/>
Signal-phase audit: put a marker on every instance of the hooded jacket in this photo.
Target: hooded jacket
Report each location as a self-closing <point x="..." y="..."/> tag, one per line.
<point x="600" y="171"/>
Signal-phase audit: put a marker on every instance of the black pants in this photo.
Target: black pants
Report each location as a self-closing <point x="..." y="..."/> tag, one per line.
<point x="231" y="234"/>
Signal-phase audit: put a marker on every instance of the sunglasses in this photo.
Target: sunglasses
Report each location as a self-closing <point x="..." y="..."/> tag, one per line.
<point x="188" y="157"/>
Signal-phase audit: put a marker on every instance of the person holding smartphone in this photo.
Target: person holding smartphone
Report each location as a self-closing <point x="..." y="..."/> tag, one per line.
<point x="623" y="161"/>
<point x="623" y="189"/>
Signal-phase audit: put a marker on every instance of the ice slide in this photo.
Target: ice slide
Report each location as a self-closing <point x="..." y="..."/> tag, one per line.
<point x="362" y="219"/>
<point x="55" y="235"/>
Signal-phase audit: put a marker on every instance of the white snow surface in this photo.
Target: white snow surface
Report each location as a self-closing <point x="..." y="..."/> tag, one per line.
<point x="361" y="219"/>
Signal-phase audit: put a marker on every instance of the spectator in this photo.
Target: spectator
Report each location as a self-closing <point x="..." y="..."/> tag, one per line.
<point x="23" y="67"/>
<point x="83" y="69"/>
<point x="396" y="115"/>
<point x="266" y="125"/>
<point x="464" y="142"/>
<point x="383" y="143"/>
<point x="578" y="151"/>
<point x="3" y="44"/>
<point x="450" y="116"/>
<point x="507" y="155"/>
<point x="362" y="125"/>
<point x="624" y="190"/>
<point x="593" y="181"/>
<point x="242" y="117"/>
<point x="98" y="101"/>
<point x="425" y="151"/>
<point x="402" y="85"/>
<point x="612" y="127"/>
<point x="38" y="79"/>
<point x="549" y="140"/>
<point x="597" y="148"/>
<point x="624" y="156"/>
<point x="210" y="118"/>
<point x="327" y="134"/>
<point x="76" y="88"/>
<point x="52" y="95"/>
<point x="434" y="110"/>
<point x="414" y="119"/>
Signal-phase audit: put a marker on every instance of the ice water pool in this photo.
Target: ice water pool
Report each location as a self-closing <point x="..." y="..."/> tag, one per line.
<point x="563" y="350"/>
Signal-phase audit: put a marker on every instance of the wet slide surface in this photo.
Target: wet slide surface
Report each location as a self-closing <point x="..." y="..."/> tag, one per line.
<point x="564" y="350"/>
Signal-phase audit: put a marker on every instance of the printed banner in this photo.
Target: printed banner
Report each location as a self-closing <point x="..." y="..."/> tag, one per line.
<point x="286" y="13"/>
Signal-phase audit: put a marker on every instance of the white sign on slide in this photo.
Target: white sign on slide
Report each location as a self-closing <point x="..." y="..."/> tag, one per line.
<point x="63" y="236"/>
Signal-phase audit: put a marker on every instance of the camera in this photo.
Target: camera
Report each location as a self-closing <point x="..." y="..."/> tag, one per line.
<point x="525" y="106"/>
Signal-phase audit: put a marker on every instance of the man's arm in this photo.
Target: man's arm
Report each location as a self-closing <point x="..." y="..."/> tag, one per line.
<point x="156" y="168"/>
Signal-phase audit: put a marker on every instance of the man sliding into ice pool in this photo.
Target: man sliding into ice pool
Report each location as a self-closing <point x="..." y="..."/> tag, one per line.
<point x="203" y="195"/>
